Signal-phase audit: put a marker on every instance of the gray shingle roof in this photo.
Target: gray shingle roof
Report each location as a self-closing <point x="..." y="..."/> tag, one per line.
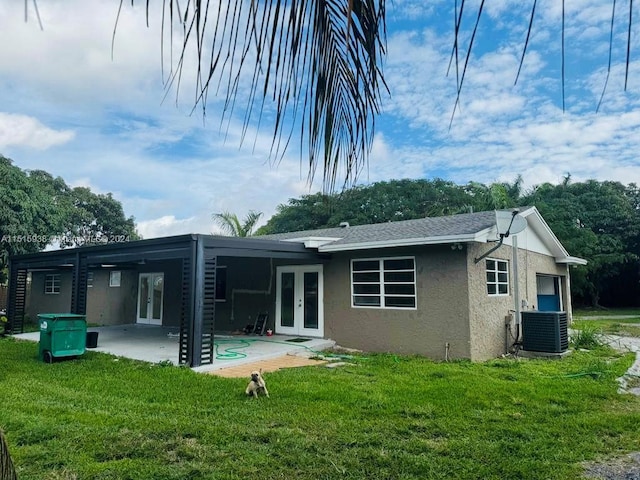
<point x="422" y="228"/>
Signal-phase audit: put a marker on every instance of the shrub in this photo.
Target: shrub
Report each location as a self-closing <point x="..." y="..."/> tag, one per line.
<point x="588" y="337"/>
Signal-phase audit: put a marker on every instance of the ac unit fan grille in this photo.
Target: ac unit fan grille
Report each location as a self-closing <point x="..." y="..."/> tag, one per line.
<point x="545" y="331"/>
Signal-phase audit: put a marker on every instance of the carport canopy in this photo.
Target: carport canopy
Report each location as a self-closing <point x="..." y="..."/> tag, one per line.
<point x="198" y="255"/>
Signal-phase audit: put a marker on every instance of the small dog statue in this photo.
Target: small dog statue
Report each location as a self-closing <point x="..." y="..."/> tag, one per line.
<point x="256" y="385"/>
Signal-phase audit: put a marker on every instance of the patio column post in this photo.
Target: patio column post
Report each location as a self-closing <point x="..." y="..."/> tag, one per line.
<point x="17" y="298"/>
<point x="198" y="303"/>
<point x="79" y="286"/>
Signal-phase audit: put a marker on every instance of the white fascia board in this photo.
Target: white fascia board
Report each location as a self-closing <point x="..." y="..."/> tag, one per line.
<point x="403" y="242"/>
<point x="573" y="261"/>
<point x="487" y="235"/>
<point x="313" y="242"/>
<point x="541" y="227"/>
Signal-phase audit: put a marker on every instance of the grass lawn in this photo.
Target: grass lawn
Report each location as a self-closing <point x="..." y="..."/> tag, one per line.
<point x="600" y="312"/>
<point x="385" y="417"/>
<point x="628" y="327"/>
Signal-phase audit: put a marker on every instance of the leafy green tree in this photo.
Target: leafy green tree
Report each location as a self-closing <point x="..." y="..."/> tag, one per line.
<point x="30" y="210"/>
<point x="95" y="219"/>
<point x="308" y="212"/>
<point x="496" y="196"/>
<point x="37" y="209"/>
<point x="379" y="202"/>
<point x="600" y="222"/>
<point x="231" y="225"/>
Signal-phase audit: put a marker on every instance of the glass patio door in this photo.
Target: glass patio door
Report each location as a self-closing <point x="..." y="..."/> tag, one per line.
<point x="299" y="301"/>
<point x="150" y="293"/>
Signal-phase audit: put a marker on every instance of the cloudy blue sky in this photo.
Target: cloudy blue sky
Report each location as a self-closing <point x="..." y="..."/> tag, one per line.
<point x="67" y="107"/>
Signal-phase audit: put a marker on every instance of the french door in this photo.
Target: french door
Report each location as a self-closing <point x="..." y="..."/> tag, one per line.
<point x="150" y="293"/>
<point x="299" y="300"/>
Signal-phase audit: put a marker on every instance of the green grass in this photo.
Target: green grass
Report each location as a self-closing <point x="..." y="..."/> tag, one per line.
<point x="600" y="320"/>
<point x="601" y="312"/>
<point x="386" y="417"/>
<point x="586" y="335"/>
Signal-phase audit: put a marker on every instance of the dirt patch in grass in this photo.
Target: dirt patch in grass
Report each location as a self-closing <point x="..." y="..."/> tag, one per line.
<point x="622" y="468"/>
<point x="270" y="365"/>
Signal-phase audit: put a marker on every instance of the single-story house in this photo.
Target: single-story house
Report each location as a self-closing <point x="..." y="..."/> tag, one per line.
<point x="443" y="287"/>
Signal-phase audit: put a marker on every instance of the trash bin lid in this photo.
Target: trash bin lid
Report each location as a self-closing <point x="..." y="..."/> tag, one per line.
<point x="57" y="316"/>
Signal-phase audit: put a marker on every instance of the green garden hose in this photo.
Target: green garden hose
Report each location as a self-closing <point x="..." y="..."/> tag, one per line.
<point x="227" y="348"/>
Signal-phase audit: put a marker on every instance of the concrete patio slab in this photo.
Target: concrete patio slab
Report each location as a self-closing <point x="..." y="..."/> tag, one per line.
<point x="155" y="344"/>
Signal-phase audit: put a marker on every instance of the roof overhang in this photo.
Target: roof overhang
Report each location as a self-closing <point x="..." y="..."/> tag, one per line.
<point x="159" y="249"/>
<point x="313" y="242"/>
<point x="540" y="227"/>
<point x="573" y="261"/>
<point x="406" y="242"/>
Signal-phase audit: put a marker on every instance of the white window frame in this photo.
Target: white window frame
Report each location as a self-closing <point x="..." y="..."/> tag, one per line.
<point x="383" y="295"/>
<point x="90" y="276"/>
<point x="496" y="271"/>
<point x="115" y="278"/>
<point x="52" y="284"/>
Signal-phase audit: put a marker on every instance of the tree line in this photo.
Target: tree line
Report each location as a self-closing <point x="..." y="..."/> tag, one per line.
<point x="38" y="209"/>
<point x="595" y="220"/>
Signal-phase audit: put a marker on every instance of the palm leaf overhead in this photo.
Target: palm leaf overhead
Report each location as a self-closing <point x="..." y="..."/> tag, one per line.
<point x="232" y="226"/>
<point x="459" y="32"/>
<point x="311" y="65"/>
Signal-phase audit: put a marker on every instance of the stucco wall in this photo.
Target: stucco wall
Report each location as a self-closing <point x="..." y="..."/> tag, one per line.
<point x="109" y="305"/>
<point x="441" y="316"/>
<point x="112" y="305"/>
<point x="489" y="314"/>
<point x="250" y="290"/>
<point x="40" y="302"/>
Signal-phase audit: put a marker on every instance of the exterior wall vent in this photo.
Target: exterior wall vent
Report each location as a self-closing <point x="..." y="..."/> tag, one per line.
<point x="544" y="331"/>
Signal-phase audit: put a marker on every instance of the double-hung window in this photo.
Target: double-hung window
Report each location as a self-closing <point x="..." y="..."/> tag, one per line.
<point x="497" y="277"/>
<point x="383" y="282"/>
<point x="52" y="283"/>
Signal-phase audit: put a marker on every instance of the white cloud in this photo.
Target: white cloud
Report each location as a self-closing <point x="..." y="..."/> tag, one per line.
<point x="25" y="131"/>
<point x="168" y="225"/>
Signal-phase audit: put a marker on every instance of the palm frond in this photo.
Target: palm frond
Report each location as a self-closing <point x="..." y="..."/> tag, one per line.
<point x="311" y="65"/>
<point x="606" y="81"/>
<point x="228" y="222"/>
<point x="458" y="31"/>
<point x="232" y="226"/>
<point x="250" y="222"/>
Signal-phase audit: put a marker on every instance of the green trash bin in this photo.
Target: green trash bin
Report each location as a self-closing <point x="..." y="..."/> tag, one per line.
<point x="62" y="335"/>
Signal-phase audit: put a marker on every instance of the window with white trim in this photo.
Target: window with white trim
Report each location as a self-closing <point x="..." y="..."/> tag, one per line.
<point x="383" y="282"/>
<point x="52" y="283"/>
<point x="497" y="277"/>
<point x="89" y="279"/>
